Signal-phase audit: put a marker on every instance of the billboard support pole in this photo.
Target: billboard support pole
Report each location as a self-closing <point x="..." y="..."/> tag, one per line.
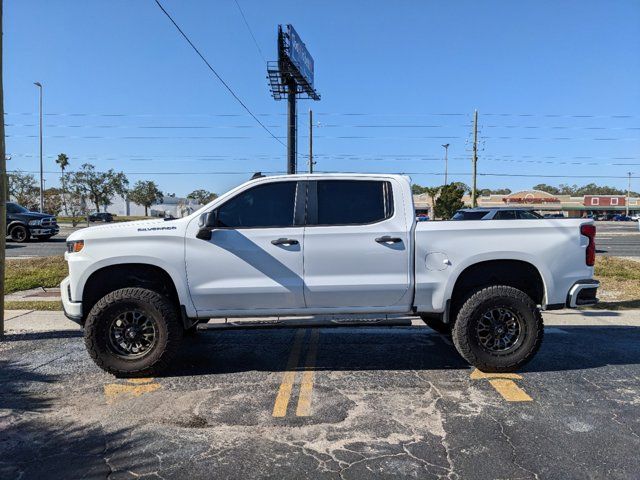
<point x="291" y="77"/>
<point x="292" y="139"/>
<point x="310" y="141"/>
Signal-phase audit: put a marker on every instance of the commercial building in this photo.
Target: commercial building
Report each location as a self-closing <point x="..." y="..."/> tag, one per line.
<point x="544" y="202"/>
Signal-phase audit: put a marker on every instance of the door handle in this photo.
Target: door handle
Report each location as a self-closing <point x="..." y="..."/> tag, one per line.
<point x="388" y="239"/>
<point x="284" y="241"/>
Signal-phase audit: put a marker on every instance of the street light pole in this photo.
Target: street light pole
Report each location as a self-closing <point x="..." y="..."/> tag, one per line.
<point x="446" y="162"/>
<point x="39" y="85"/>
<point x="628" y="194"/>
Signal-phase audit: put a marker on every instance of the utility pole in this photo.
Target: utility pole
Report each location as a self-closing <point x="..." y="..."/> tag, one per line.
<point x="39" y="85"/>
<point x="310" y="141"/>
<point x="628" y="194"/>
<point x="446" y="162"/>
<point x="474" y="202"/>
<point x="3" y="190"/>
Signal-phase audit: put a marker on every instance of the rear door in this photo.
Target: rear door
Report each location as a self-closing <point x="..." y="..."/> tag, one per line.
<point x="356" y="240"/>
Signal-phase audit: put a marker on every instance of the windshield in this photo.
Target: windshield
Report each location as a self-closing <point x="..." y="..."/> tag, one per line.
<point x="15" y="208"/>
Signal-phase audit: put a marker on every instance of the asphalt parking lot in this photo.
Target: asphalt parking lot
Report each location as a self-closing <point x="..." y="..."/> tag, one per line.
<point x="350" y="403"/>
<point x="621" y="239"/>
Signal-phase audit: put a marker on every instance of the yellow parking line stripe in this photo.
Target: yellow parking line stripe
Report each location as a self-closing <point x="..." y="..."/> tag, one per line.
<point x="284" y="393"/>
<point x="504" y="385"/>
<point x="477" y="374"/>
<point x="509" y="390"/>
<point x="306" y="387"/>
<point x="135" y="387"/>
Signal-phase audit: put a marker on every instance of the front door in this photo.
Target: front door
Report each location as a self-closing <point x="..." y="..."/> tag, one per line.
<point x="253" y="260"/>
<point x="356" y="246"/>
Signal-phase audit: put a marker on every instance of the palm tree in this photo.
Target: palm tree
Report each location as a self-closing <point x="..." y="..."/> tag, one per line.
<point x="432" y="192"/>
<point x="63" y="162"/>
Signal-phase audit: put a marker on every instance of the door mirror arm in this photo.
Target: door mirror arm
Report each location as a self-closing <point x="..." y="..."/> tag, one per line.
<point x="208" y="221"/>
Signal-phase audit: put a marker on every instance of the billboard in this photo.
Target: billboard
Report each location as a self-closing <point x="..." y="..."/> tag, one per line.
<point x="300" y="56"/>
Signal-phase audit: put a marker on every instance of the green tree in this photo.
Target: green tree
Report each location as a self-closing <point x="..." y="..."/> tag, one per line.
<point x="543" y="187"/>
<point x="53" y="199"/>
<point x="63" y="162"/>
<point x="494" y="191"/>
<point x="202" y="196"/>
<point x="146" y="193"/>
<point x="76" y="197"/>
<point x="99" y="187"/>
<point x="449" y="201"/>
<point x="417" y="189"/>
<point x="432" y="192"/>
<point x="23" y="188"/>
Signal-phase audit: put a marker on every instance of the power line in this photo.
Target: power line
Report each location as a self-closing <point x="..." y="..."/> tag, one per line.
<point x="462" y="174"/>
<point x="184" y="35"/>
<point x="250" y="32"/>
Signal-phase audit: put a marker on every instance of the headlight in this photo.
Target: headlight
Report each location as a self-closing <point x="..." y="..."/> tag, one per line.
<point x="35" y="222"/>
<point x="75" y="246"/>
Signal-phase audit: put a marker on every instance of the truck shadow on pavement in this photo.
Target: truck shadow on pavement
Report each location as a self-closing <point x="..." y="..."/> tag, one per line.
<point x="396" y="348"/>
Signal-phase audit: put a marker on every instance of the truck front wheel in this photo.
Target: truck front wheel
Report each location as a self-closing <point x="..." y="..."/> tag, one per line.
<point x="498" y="329"/>
<point x="133" y="332"/>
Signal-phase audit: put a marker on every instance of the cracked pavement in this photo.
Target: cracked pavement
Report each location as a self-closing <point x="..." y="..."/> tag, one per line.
<point x="386" y="402"/>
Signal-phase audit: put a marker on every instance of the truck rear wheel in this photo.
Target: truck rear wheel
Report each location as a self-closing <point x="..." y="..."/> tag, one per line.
<point x="133" y="332"/>
<point x="498" y="329"/>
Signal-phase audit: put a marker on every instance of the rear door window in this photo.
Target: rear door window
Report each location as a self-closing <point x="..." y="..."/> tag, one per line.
<point x="352" y="202"/>
<point x="527" y="215"/>
<point x="505" y="215"/>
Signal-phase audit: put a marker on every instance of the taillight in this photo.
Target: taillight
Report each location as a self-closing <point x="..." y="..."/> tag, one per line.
<point x="589" y="231"/>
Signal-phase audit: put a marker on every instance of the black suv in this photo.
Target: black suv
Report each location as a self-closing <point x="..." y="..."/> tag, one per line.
<point x="23" y="224"/>
<point x="101" y="217"/>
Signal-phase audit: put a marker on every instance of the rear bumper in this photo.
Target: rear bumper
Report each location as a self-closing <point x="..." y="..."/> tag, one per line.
<point x="583" y="293"/>
<point x="72" y="310"/>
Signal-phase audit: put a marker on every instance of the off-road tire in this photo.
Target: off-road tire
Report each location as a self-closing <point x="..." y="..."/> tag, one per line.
<point x="477" y="304"/>
<point x="20" y="234"/>
<point x="437" y="324"/>
<point x="169" y="332"/>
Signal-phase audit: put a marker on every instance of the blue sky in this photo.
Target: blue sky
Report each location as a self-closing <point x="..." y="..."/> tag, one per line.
<point x="556" y="85"/>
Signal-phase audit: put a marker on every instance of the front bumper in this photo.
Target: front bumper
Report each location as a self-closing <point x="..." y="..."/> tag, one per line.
<point x="583" y="293"/>
<point x="72" y="310"/>
<point x="40" y="231"/>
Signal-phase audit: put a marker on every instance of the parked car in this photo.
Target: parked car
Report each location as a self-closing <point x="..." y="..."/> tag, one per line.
<point x="496" y="213"/>
<point x="422" y="217"/>
<point x="23" y="225"/>
<point x="606" y="217"/>
<point x="635" y="218"/>
<point x="323" y="244"/>
<point x="101" y="217"/>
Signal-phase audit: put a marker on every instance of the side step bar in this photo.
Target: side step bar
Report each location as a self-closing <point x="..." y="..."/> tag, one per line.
<point x="306" y="322"/>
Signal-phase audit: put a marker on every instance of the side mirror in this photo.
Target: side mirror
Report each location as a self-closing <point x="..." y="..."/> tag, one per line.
<point x="207" y="223"/>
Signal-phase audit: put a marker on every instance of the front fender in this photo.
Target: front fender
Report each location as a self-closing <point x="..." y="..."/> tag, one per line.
<point x="81" y="268"/>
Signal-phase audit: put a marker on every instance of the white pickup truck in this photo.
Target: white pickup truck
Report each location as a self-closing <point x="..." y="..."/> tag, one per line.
<point x="323" y="244"/>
